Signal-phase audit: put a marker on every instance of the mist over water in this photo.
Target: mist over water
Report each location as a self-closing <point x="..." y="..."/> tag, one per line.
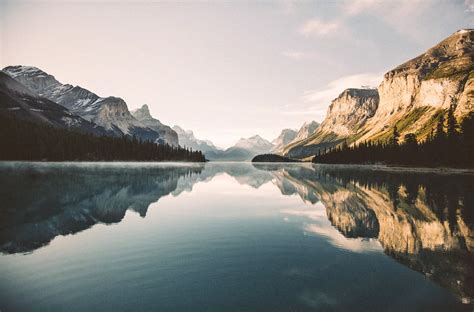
<point x="233" y="237"/>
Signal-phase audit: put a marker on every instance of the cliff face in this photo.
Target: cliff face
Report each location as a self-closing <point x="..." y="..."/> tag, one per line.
<point x="349" y="111"/>
<point x="427" y="83"/>
<point x="346" y="115"/>
<point x="110" y="113"/>
<point x="409" y="97"/>
<point x="167" y="134"/>
<point x="285" y="137"/>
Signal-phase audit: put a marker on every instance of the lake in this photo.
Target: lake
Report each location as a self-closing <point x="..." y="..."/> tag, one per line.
<point x="233" y="237"/>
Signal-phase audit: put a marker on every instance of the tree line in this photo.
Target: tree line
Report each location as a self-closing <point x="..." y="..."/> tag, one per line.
<point x="23" y="140"/>
<point x="449" y="144"/>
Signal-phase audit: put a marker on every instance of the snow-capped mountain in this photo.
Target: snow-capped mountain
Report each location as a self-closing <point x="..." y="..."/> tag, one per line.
<point x="166" y="133"/>
<point x="255" y="144"/>
<point x="18" y="101"/>
<point x="111" y="113"/>
<point x="187" y="139"/>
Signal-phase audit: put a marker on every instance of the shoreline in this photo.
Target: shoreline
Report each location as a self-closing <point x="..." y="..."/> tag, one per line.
<point x="436" y="170"/>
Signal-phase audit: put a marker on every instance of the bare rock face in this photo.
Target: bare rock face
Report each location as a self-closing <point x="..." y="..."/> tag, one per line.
<point x="432" y="81"/>
<point x="307" y="129"/>
<point x="285" y="137"/>
<point x="408" y="97"/>
<point x="349" y="111"/>
<point x="167" y="134"/>
<point x="110" y="113"/>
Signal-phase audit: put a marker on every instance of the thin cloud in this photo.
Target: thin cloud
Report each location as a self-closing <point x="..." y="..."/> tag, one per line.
<point x="323" y="96"/>
<point x="295" y="55"/>
<point x="318" y="27"/>
<point x="469" y="5"/>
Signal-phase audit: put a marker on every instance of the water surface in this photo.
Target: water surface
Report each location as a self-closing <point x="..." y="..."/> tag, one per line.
<point x="233" y="237"/>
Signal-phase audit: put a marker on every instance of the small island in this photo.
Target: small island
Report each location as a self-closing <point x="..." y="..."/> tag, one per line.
<point x="273" y="158"/>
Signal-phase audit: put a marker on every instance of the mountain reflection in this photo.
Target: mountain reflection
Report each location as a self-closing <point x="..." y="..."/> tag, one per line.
<point x="41" y="202"/>
<point x="424" y="221"/>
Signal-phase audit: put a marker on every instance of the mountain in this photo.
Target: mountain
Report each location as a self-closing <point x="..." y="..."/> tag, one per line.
<point x="231" y="154"/>
<point x="187" y="139"/>
<point x="286" y="136"/>
<point x="18" y="101"/>
<point x="411" y="97"/>
<point x="167" y="134"/>
<point x="244" y="150"/>
<point x="111" y="113"/>
<point x="255" y="144"/>
<point x="307" y="129"/>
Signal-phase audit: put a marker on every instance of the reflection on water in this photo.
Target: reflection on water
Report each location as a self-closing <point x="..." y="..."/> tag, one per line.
<point x="423" y="221"/>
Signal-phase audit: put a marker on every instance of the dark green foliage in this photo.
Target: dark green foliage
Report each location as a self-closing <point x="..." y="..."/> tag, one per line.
<point x="22" y="140"/>
<point x="456" y="149"/>
<point x="273" y="158"/>
<point x="395" y="137"/>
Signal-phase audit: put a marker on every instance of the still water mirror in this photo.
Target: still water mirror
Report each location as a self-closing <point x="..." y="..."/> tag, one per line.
<point x="233" y="237"/>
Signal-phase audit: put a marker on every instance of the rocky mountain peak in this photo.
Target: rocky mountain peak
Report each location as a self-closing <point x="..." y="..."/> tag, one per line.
<point x="255" y="143"/>
<point x="350" y="110"/>
<point x="453" y="54"/>
<point x="285" y="137"/>
<point x="142" y="113"/>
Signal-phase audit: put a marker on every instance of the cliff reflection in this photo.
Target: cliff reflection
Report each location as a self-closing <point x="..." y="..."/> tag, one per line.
<point x="424" y="221"/>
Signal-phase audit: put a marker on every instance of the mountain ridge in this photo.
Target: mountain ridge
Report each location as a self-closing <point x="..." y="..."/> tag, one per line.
<point x="411" y="97"/>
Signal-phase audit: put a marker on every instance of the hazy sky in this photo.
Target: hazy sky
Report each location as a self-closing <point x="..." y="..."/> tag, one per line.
<point x="225" y="69"/>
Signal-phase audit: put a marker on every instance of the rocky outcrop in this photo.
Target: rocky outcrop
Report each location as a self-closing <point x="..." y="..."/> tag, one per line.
<point x="110" y="113"/>
<point x="167" y="135"/>
<point x="307" y="129"/>
<point x="346" y="115"/>
<point x="350" y="111"/>
<point x="409" y="97"/>
<point x="430" y="82"/>
<point x="285" y="137"/>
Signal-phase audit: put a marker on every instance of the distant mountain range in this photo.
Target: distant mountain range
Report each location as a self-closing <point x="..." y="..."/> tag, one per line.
<point x="245" y="148"/>
<point x="411" y="97"/>
<point x="31" y="94"/>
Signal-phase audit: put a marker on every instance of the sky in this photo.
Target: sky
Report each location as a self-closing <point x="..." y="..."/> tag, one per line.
<point x="225" y="69"/>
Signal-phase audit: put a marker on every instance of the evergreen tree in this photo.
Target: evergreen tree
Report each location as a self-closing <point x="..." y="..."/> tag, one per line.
<point x="452" y="121"/>
<point x="440" y="134"/>
<point x="395" y="137"/>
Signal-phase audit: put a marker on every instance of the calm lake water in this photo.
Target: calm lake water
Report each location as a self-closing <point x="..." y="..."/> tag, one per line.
<point x="233" y="237"/>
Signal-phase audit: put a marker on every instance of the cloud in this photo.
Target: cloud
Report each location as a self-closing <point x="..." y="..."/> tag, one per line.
<point x="317" y="27"/>
<point x="322" y="97"/>
<point x="335" y="238"/>
<point x="469" y="5"/>
<point x="295" y="55"/>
